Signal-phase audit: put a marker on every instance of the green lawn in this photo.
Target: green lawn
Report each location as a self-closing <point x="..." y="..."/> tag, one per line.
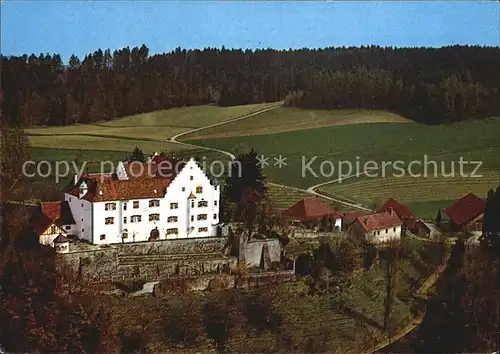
<point x="433" y="192"/>
<point x="473" y="141"/>
<point x="285" y="119"/>
<point x="148" y="130"/>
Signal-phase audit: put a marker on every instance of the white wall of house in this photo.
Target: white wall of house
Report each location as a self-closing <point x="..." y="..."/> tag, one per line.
<point x="48" y="238"/>
<point x="190" y="218"/>
<point x="376" y="236"/>
<point x="384" y="235"/>
<point x="338" y="223"/>
<point x="82" y="214"/>
<point x="191" y="221"/>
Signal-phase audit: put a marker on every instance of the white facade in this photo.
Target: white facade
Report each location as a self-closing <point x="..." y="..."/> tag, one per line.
<point x="189" y="209"/>
<point x="382" y="235"/>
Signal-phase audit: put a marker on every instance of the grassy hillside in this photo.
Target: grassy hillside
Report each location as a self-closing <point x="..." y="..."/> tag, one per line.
<point x="149" y="130"/>
<point x="473" y="141"/>
<point x="287" y="119"/>
<point x="433" y="192"/>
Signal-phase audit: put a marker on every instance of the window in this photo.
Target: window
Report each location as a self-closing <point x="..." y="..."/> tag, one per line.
<point x="102" y="237"/>
<point x="192" y="217"/>
<point x="215" y="203"/>
<point x="172" y="219"/>
<point x="82" y="205"/>
<point x="135" y="204"/>
<point x="82" y="230"/>
<point x="125" y="233"/>
<point x="174" y="205"/>
<point x="124" y="206"/>
<point x="215" y="187"/>
<point x="202" y="217"/>
<point x="110" y="206"/>
<point x="53" y="229"/>
<point x="202" y="203"/>
<point x="135" y="218"/>
<point x="109" y="221"/>
<point x="378" y="232"/>
<point x="70" y="199"/>
<point x="68" y="227"/>
<point x="199" y="189"/>
<point x="386" y="231"/>
<point x="215" y="216"/>
<point x="172" y="231"/>
<point x="124" y="219"/>
<point x="183" y="189"/>
<point x="202" y="229"/>
<point x="190" y="178"/>
<point x="82" y="219"/>
<point x="154" y="217"/>
<point x="394" y="229"/>
<point x="192" y="204"/>
<point x="154" y="203"/>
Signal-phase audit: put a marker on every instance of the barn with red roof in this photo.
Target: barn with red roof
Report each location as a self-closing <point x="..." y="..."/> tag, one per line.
<point x="401" y="210"/>
<point x="377" y="228"/>
<point x="312" y="209"/>
<point x="466" y="214"/>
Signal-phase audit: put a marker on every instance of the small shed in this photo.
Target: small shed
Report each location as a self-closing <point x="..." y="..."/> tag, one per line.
<point x="428" y="230"/>
<point x="61" y="244"/>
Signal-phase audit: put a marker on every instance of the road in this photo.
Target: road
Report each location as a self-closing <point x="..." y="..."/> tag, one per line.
<point x="310" y="190"/>
<point x="421" y="292"/>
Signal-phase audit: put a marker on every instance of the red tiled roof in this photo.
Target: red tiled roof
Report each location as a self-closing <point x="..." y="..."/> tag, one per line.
<point x="109" y="190"/>
<point x="58" y="212"/>
<point x="310" y="208"/>
<point x="378" y="221"/>
<point x="466" y="209"/>
<point x="351" y="216"/>
<point x="51" y="209"/>
<point x="401" y="210"/>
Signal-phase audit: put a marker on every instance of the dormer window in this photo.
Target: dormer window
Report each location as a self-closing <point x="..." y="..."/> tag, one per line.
<point x="199" y="189"/>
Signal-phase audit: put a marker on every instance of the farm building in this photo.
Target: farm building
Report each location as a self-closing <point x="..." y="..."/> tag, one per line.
<point x="377" y="228"/>
<point x="349" y="217"/>
<point x="402" y="211"/>
<point x="52" y="219"/>
<point x="313" y="210"/>
<point x="466" y="214"/>
<point x="427" y="230"/>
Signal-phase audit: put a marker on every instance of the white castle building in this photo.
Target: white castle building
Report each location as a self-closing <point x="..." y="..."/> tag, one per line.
<point x="141" y="202"/>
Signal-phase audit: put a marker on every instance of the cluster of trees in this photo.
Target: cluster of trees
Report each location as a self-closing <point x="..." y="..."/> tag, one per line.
<point x="37" y="314"/>
<point x="427" y="84"/>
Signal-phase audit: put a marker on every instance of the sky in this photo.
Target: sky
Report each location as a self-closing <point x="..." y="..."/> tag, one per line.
<point x="80" y="27"/>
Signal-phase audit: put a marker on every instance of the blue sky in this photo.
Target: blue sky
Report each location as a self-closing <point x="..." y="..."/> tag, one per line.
<point x="80" y="27"/>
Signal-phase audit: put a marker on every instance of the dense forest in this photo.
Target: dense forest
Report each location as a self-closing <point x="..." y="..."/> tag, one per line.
<point x="430" y="85"/>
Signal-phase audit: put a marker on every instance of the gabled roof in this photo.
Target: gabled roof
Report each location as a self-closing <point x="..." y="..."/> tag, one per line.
<point x="401" y="210"/>
<point x="465" y="209"/>
<point x="378" y="221"/>
<point x="310" y="208"/>
<point x="60" y="239"/>
<point x="110" y="190"/>
<point x="351" y="216"/>
<point x="41" y="224"/>
<point x="58" y="211"/>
